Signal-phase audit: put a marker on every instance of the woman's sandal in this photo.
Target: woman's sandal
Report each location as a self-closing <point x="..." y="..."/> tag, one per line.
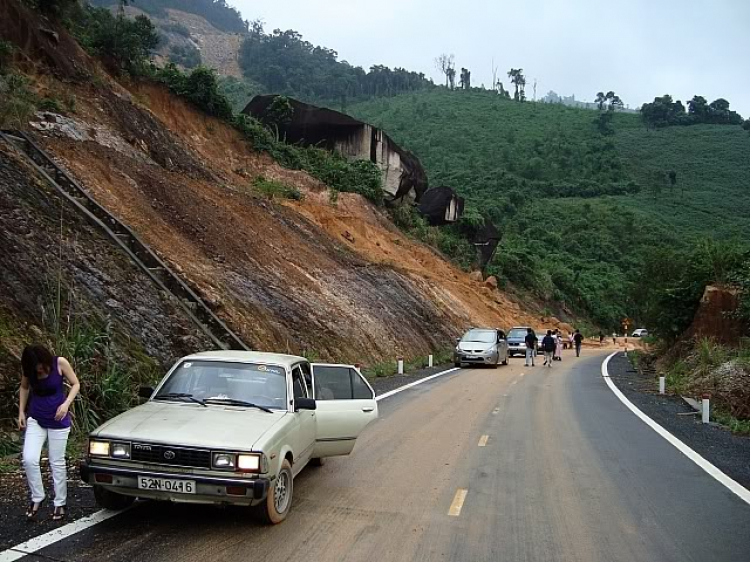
<point x="59" y="513"/>
<point x="32" y="511"/>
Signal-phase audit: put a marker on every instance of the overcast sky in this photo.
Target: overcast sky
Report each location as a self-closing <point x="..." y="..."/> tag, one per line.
<point x="638" y="48"/>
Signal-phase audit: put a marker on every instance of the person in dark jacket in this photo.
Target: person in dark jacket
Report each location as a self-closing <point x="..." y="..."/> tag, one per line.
<point x="578" y="341"/>
<point x="530" y="347"/>
<point x="549" y="344"/>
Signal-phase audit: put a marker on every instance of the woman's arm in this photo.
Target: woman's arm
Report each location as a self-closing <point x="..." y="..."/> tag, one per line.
<point x="75" y="386"/>
<point x="23" y="400"/>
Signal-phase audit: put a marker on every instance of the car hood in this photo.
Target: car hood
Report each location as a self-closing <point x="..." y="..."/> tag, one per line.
<point x="474" y="346"/>
<point x="191" y="425"/>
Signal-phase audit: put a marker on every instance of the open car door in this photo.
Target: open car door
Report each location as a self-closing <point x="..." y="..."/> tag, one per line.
<point x="345" y="405"/>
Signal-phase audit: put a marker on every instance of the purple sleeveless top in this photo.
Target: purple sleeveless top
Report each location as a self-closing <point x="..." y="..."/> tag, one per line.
<point x="46" y="398"/>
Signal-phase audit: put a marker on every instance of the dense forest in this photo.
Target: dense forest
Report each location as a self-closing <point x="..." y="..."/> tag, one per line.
<point x="283" y="62"/>
<point x="584" y="214"/>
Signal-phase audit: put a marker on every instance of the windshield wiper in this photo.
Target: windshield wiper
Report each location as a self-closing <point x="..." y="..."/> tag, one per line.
<point x="178" y="395"/>
<point x="235" y="402"/>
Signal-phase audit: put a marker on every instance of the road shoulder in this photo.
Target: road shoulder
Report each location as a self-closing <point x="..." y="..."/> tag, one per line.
<point x="728" y="452"/>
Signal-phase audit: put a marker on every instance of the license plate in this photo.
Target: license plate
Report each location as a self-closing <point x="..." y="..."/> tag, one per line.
<point x="166" y="485"/>
<point x="472" y="357"/>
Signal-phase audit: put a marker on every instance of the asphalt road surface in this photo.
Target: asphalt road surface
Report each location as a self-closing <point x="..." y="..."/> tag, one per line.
<point x="511" y="464"/>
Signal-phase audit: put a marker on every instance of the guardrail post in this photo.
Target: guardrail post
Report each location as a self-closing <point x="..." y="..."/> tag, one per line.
<point x="429" y="360"/>
<point x="705" y="408"/>
<point x="400" y="361"/>
<point x="662" y="384"/>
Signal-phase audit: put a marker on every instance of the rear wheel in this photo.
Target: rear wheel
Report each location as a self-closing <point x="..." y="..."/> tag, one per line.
<point x="277" y="504"/>
<point x="108" y="499"/>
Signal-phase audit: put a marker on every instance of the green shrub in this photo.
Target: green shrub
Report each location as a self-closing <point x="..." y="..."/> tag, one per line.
<point x="186" y="56"/>
<point x="123" y="44"/>
<point x="200" y="88"/>
<point x="272" y="189"/>
<point x="16" y="101"/>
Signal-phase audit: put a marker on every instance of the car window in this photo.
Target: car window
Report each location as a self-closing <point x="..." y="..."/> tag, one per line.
<point x="298" y="383"/>
<point x="264" y="385"/>
<point x="516" y="333"/>
<point x="339" y="383"/>
<point x="481" y="336"/>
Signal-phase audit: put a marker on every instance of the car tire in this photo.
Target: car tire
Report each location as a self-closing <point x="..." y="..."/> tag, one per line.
<point x="317" y="462"/>
<point x="107" y="499"/>
<point x="278" y="502"/>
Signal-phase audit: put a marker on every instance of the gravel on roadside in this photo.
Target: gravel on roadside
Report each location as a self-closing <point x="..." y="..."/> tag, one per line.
<point x="729" y="452"/>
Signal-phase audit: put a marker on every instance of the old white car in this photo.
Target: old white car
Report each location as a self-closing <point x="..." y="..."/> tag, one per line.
<point x="229" y="427"/>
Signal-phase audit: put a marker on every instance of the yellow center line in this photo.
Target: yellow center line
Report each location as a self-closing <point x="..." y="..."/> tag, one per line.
<point x="458" y="502"/>
<point x="483" y="440"/>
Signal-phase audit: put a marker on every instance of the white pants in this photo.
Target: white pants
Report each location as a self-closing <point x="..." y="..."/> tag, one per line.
<point x="36" y="435"/>
<point x="529" y="357"/>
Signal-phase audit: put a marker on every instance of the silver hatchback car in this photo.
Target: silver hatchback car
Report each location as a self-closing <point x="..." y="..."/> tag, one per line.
<point x="481" y="346"/>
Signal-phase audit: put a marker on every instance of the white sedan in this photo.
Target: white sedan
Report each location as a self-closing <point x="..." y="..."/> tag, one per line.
<point x="229" y="427"/>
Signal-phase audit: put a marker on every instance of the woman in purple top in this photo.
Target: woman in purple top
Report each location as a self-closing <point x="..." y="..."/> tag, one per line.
<point x="43" y="413"/>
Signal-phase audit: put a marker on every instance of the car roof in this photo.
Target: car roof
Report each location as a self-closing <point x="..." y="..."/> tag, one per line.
<point x="280" y="359"/>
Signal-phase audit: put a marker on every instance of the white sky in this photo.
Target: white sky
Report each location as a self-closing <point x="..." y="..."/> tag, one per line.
<point x="638" y="48"/>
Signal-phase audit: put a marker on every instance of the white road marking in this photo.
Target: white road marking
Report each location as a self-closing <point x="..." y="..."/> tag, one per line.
<point x="710" y="468"/>
<point x="483" y="440"/>
<point x="413" y="384"/>
<point x="496" y="411"/>
<point x="37" y="543"/>
<point x="458" y="502"/>
<point x="56" y="535"/>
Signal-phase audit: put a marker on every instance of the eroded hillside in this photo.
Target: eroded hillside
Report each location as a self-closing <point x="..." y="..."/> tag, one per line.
<point x="333" y="278"/>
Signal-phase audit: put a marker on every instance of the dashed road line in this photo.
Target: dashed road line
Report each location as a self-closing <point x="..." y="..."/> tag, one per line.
<point x="458" y="502"/>
<point x="483" y="440"/>
<point x="496" y="411"/>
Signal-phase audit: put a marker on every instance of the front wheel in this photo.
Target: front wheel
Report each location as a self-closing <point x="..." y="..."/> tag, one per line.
<point x="108" y="499"/>
<point x="277" y="504"/>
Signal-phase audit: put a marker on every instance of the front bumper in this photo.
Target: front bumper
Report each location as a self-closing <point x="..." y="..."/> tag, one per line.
<point x="462" y="357"/>
<point x="209" y="489"/>
<point x="516" y="349"/>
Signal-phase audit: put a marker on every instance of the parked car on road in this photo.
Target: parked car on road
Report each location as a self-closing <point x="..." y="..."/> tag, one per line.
<point x="640" y="333"/>
<point x="517" y="340"/>
<point x="482" y="346"/>
<point x="229" y="427"/>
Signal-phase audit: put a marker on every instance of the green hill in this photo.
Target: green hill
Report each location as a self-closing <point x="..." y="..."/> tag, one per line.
<point x="581" y="212"/>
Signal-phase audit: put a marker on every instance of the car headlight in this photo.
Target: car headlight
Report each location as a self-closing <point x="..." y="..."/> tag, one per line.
<point x="98" y="448"/>
<point x="249" y="463"/>
<point x="224" y="461"/>
<point x="120" y="450"/>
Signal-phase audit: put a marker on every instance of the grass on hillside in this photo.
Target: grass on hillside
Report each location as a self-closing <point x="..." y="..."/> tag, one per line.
<point x="520" y="162"/>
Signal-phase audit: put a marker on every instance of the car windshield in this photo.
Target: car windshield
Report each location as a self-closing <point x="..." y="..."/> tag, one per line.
<point x="483" y="336"/>
<point x="516" y="333"/>
<point x="224" y="381"/>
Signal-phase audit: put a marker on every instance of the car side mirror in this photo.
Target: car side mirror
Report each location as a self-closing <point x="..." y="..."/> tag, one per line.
<point x="305" y="404"/>
<point x="145" y="392"/>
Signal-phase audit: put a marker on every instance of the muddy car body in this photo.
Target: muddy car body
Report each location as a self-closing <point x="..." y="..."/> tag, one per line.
<point x="230" y="427"/>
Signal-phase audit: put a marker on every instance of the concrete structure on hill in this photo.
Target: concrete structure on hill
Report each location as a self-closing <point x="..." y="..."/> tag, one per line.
<point x="404" y="177"/>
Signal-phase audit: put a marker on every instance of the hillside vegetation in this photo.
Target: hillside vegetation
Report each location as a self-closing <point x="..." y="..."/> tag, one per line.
<point x="582" y="213"/>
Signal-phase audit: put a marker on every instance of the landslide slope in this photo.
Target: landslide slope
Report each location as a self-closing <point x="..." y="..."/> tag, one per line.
<point x="334" y="279"/>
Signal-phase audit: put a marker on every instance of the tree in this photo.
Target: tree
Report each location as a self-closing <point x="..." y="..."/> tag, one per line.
<point x="465" y="82"/>
<point x="445" y="64"/>
<point x="600" y="100"/>
<point x="519" y="81"/>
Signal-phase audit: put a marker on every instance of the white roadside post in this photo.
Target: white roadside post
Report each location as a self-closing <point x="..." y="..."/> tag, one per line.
<point x="400" y="365"/>
<point x="429" y="360"/>
<point x="705" y="412"/>
<point x="662" y="384"/>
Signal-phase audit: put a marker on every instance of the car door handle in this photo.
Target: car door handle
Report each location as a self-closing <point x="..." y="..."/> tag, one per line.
<point x="368" y="409"/>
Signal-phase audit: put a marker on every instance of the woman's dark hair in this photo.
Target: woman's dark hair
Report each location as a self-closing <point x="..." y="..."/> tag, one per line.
<point x="32" y="356"/>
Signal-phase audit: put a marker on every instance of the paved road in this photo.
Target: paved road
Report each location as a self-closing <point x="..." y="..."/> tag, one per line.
<point x="566" y="474"/>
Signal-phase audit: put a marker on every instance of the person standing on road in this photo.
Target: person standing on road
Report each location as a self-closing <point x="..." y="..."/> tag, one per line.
<point x="601" y="338"/>
<point x="578" y="341"/>
<point x="558" y="345"/>
<point x="43" y="411"/>
<point x="530" y="347"/>
<point x="549" y="344"/>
